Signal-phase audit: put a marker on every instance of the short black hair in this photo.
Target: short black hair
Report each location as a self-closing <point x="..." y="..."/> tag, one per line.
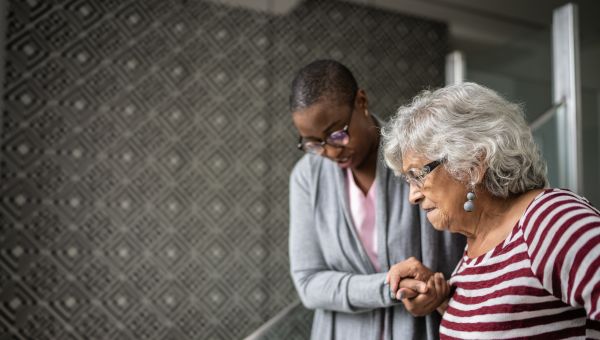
<point x="322" y="78"/>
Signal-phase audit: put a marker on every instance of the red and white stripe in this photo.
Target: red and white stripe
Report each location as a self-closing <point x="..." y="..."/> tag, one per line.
<point x="542" y="282"/>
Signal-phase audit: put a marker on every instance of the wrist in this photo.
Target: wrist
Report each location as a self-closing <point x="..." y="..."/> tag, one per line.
<point x="442" y="307"/>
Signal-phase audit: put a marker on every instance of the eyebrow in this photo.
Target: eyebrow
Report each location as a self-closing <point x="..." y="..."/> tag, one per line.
<point x="325" y="131"/>
<point x="410" y="167"/>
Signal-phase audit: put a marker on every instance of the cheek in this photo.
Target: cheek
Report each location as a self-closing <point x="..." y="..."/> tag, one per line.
<point x="447" y="209"/>
<point x="439" y="219"/>
<point x="360" y="140"/>
<point x="449" y="197"/>
<point x="451" y="215"/>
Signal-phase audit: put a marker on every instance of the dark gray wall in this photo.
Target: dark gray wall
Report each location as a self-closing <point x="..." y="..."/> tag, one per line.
<point x="146" y="148"/>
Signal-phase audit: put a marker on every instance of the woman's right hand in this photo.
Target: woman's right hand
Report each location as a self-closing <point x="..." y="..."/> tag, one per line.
<point x="408" y="275"/>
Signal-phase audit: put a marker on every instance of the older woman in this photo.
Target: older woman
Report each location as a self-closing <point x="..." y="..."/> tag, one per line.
<point x="531" y="267"/>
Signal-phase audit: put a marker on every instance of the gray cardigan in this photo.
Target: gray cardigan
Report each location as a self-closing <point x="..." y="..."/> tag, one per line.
<point x="330" y="268"/>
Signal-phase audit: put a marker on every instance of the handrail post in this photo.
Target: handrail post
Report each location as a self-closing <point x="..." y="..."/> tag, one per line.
<point x="566" y="86"/>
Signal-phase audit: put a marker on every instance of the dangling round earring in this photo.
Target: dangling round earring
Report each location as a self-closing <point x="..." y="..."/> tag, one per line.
<point x="469" y="206"/>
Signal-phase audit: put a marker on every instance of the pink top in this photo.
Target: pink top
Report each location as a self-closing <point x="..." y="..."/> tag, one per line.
<point x="362" y="209"/>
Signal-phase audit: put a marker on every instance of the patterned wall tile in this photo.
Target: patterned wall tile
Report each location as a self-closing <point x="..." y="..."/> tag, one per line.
<point x="146" y="148"/>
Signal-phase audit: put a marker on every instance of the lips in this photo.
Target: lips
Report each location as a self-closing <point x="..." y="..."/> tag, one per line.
<point x="344" y="162"/>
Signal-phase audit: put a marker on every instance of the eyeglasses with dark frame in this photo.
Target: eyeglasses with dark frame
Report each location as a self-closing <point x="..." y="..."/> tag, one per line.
<point x="417" y="176"/>
<point x="339" y="138"/>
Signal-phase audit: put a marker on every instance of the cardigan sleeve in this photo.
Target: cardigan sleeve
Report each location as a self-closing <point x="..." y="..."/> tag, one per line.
<point x="318" y="286"/>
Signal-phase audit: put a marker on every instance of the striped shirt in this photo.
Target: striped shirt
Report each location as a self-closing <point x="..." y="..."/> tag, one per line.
<point x="542" y="282"/>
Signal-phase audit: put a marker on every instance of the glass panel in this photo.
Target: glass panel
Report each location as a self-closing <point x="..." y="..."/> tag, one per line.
<point x="590" y="98"/>
<point x="545" y="133"/>
<point x="519" y="69"/>
<point x="590" y="142"/>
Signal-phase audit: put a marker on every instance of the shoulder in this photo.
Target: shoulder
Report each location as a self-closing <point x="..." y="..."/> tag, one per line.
<point x="556" y="209"/>
<point x="552" y="201"/>
<point x="306" y="171"/>
<point x="306" y="165"/>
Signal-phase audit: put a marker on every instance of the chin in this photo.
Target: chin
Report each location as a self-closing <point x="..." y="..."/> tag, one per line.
<point x="438" y="223"/>
<point x="439" y="227"/>
<point x="434" y="223"/>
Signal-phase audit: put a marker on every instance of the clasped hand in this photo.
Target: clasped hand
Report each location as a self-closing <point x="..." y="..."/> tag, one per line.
<point x="420" y="290"/>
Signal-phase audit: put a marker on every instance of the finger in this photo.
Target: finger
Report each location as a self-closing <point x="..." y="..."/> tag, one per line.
<point x="443" y="289"/>
<point x="431" y="291"/>
<point x="439" y="282"/>
<point x="416" y="285"/>
<point x="425" y="299"/>
<point x="443" y="307"/>
<point x="439" y="287"/>
<point x="394" y="281"/>
<point x="442" y="286"/>
<point x="406" y="293"/>
<point x="387" y="281"/>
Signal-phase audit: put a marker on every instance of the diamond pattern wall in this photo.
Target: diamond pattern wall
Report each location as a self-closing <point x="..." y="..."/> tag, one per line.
<point x="145" y="153"/>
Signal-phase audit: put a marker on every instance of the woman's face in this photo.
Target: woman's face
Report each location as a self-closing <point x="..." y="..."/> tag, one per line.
<point x="326" y="116"/>
<point x="441" y="196"/>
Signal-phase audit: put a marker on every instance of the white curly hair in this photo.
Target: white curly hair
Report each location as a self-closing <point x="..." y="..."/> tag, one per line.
<point x="471" y="127"/>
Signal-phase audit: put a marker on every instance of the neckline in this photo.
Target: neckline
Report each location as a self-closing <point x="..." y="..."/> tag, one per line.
<point x="498" y="248"/>
<point x="352" y="185"/>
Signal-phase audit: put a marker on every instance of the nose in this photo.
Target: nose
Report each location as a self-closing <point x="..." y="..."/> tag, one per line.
<point x="415" y="195"/>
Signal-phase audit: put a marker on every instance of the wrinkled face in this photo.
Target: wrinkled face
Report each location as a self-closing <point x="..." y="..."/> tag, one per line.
<point x="441" y="196"/>
<point x="319" y="120"/>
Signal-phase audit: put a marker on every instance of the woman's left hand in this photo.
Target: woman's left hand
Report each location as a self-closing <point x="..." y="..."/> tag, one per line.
<point x="438" y="292"/>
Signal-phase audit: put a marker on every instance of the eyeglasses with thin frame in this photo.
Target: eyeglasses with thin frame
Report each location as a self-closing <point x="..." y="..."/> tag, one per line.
<point x="339" y="138"/>
<point x="417" y="176"/>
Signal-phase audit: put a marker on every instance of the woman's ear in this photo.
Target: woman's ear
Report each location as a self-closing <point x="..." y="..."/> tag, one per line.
<point x="362" y="102"/>
<point x="479" y="169"/>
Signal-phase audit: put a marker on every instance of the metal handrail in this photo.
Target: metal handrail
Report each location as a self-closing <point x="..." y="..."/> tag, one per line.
<point x="546" y="116"/>
<point x="262" y="330"/>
